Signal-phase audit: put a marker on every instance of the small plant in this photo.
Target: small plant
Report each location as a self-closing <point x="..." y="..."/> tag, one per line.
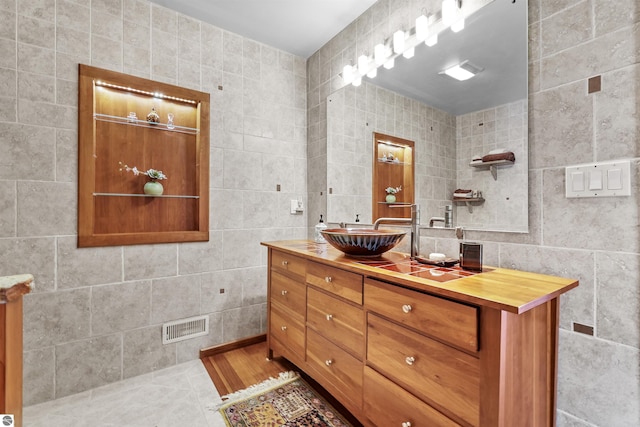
<point x="393" y="190"/>
<point x="153" y="174"/>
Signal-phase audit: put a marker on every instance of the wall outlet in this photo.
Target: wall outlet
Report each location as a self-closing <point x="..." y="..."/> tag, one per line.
<point x="296" y="207"/>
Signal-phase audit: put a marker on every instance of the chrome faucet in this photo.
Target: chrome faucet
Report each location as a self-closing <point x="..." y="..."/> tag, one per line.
<point x="414" y="222"/>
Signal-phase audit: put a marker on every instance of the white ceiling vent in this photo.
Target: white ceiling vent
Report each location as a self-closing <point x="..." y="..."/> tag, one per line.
<point x="184" y="329"/>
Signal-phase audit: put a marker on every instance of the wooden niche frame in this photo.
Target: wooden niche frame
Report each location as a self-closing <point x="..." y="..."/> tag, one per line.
<point x="112" y="207"/>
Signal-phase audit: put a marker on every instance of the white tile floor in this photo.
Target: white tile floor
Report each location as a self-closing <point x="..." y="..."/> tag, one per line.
<point x="182" y="395"/>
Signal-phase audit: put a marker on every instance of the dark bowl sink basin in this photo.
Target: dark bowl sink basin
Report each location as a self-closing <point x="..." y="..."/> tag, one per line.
<point x="363" y="242"/>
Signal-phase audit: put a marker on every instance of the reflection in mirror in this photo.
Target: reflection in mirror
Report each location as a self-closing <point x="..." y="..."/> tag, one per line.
<point x="451" y="123"/>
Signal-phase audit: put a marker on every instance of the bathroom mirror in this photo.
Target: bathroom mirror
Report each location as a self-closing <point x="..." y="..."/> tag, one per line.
<point x="450" y="121"/>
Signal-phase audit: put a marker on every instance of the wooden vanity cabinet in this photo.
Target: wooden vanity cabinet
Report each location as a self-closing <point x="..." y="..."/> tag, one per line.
<point x="316" y="320"/>
<point x="395" y="354"/>
<point x="286" y="302"/>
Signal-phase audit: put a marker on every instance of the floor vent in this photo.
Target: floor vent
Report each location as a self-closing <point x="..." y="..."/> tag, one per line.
<point x="185" y="329"/>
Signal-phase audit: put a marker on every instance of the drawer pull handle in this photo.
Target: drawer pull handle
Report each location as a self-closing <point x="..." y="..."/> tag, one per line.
<point x="407" y="308"/>
<point x="329" y="316"/>
<point x="285" y="263"/>
<point x="284" y="328"/>
<point x="328" y="362"/>
<point x="410" y="360"/>
<point x="284" y="292"/>
<point x="328" y="279"/>
<point x="406" y="424"/>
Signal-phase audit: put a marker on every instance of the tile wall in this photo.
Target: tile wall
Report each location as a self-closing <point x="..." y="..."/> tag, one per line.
<point x="353" y="114"/>
<point x="505" y="205"/>
<point x="95" y="316"/>
<point x="594" y="240"/>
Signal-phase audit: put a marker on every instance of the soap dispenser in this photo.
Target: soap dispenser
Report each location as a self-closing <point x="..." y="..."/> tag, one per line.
<point x="318" y="237"/>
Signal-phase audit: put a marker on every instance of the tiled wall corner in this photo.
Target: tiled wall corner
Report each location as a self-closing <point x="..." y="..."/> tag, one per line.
<point x="594" y="240"/>
<point x="89" y="303"/>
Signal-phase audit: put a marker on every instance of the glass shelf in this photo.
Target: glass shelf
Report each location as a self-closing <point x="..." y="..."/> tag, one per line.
<point x="144" y="123"/>
<point x="392" y="162"/>
<point x="168" y="196"/>
<point x="395" y="203"/>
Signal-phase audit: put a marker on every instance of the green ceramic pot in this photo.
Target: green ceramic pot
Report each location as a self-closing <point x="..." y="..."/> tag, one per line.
<point x="391" y="198"/>
<point x="153" y="188"/>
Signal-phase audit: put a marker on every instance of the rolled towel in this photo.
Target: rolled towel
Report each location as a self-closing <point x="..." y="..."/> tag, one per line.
<point x="501" y="156"/>
<point x="435" y="256"/>
<point x="463" y="191"/>
<point x="498" y="151"/>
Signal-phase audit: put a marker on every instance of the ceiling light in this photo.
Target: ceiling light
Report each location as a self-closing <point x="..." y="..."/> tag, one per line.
<point x="380" y="53"/>
<point x="409" y="53"/>
<point x="462" y="71"/>
<point x="389" y="64"/>
<point x="448" y="11"/>
<point x="398" y="41"/>
<point x="458" y="25"/>
<point x="431" y="41"/>
<point x="347" y="74"/>
<point x="422" y="28"/>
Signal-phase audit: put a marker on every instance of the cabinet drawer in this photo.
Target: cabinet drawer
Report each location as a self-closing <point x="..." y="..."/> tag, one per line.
<point x="338" y="372"/>
<point x="445" y="320"/>
<point x="288" y="331"/>
<point x="340" y="282"/>
<point x="289" y="293"/>
<point x="405" y="407"/>
<point x="290" y="263"/>
<point x="337" y="320"/>
<point x="444" y="377"/>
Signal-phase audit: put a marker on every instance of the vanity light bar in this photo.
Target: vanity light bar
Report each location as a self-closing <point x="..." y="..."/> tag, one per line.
<point x="427" y="28"/>
<point x="144" y="92"/>
<point x="393" y="144"/>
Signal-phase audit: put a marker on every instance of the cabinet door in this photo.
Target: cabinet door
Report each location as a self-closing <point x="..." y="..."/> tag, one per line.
<point x="288" y="332"/>
<point x="440" y="318"/>
<point x="442" y="376"/>
<point x="337" y="371"/>
<point x="405" y="409"/>
<point x="337" y="320"/>
<point x="339" y="282"/>
<point x="289" y="294"/>
<point x="289" y="264"/>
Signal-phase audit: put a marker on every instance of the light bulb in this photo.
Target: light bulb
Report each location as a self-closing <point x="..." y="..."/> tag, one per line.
<point x="398" y="41"/>
<point x="448" y="11"/>
<point x="458" y="25"/>
<point x="422" y="28"/>
<point x="431" y="41"/>
<point x="409" y="53"/>
<point x="347" y="73"/>
<point x="389" y="64"/>
<point x="357" y="81"/>
<point x="372" y="73"/>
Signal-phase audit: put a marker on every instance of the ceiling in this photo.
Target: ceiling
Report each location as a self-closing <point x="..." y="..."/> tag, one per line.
<point x="494" y="39"/>
<point x="300" y="27"/>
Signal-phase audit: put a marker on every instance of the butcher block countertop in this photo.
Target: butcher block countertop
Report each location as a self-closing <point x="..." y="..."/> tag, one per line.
<point x="499" y="288"/>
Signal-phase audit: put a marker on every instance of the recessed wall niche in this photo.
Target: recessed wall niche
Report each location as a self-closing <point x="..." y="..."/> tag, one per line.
<point x="117" y="133"/>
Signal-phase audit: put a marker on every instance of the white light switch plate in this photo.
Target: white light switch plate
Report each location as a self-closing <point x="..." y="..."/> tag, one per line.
<point x="601" y="179"/>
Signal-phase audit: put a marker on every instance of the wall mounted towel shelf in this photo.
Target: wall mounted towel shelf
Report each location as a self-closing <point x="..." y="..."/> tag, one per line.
<point x="469" y="201"/>
<point x="492" y="166"/>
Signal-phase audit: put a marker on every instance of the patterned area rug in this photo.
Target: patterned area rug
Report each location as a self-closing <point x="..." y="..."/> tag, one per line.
<point x="287" y="401"/>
